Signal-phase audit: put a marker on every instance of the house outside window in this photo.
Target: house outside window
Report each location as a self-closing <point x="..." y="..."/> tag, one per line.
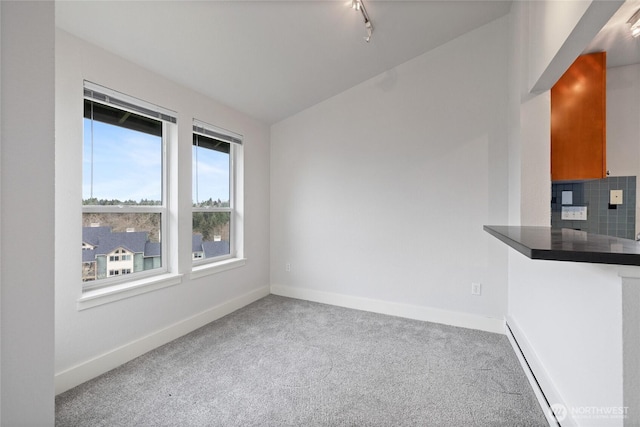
<point x="214" y="185"/>
<point x="124" y="196"/>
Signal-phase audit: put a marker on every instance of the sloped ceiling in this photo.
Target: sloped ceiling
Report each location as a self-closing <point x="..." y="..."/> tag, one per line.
<point x="271" y="59"/>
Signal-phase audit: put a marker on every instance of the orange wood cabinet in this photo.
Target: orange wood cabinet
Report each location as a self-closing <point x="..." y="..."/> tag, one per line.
<point x="578" y="120"/>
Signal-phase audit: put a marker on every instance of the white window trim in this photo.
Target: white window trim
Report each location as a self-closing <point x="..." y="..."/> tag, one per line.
<point x="106" y="96"/>
<point x="128" y="289"/>
<point x="207" y="266"/>
<point x="199" y="271"/>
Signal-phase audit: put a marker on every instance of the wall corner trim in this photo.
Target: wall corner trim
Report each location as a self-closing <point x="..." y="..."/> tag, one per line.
<point x="85" y="371"/>
<point x="428" y="314"/>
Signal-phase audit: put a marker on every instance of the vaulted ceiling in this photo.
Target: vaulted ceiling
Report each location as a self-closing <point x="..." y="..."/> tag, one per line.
<point x="271" y="59"/>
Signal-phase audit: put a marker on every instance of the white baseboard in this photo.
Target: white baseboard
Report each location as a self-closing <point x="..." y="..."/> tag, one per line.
<point x="429" y="314"/>
<point x="540" y="381"/>
<point x="85" y="371"/>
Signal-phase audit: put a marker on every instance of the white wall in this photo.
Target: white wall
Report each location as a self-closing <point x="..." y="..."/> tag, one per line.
<point x="623" y="123"/>
<point x="535" y="161"/>
<point x="623" y="120"/>
<point x="631" y="346"/>
<point x="566" y="316"/>
<point x="0" y="211"/>
<point x="97" y="339"/>
<point x="569" y="315"/>
<point x="379" y="194"/>
<point x="27" y="207"/>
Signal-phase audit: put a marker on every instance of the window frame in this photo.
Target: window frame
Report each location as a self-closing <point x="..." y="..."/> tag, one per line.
<point x="235" y="145"/>
<point x="108" y="97"/>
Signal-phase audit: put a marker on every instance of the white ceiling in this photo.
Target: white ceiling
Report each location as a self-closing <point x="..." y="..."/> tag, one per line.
<point x="271" y="59"/>
<point x="615" y="38"/>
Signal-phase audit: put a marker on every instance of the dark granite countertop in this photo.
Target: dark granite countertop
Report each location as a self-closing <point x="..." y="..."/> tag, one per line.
<point x="567" y="245"/>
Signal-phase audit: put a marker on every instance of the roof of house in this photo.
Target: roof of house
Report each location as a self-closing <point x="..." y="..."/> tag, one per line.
<point x="88" y="255"/>
<point x="210" y="249"/>
<point x="91" y="235"/>
<point x="196" y="242"/>
<point x="151" y="249"/>
<point x="215" y="249"/>
<point x="106" y="241"/>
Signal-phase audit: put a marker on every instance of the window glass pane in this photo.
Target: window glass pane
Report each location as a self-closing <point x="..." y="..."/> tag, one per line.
<point x="114" y="243"/>
<point x="211" y="232"/>
<point x="211" y="172"/>
<point x="122" y="157"/>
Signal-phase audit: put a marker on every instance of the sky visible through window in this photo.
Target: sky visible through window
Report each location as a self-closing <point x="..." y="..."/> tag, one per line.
<point x="210" y="178"/>
<point x="127" y="165"/>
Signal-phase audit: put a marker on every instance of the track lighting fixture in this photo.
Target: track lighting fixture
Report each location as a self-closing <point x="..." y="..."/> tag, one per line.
<point x="359" y="5"/>
<point x="635" y="23"/>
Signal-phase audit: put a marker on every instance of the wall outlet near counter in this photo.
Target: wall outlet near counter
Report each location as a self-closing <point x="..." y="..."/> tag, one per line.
<point x="615" y="197"/>
<point x="573" y="213"/>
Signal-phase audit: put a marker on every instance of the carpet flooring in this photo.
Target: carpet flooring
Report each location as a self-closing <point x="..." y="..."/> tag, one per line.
<point x="286" y="362"/>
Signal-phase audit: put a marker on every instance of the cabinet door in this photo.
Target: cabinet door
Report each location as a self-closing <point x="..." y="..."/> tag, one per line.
<point x="578" y="115"/>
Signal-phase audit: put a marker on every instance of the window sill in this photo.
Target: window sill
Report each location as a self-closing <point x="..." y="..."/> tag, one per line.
<point x="208" y="269"/>
<point x="109" y="294"/>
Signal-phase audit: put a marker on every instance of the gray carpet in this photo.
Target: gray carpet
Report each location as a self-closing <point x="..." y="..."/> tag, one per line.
<point x="285" y="362"/>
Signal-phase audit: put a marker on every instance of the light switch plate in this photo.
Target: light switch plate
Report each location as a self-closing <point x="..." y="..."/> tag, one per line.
<point x="615" y="197"/>
<point x="567" y="197"/>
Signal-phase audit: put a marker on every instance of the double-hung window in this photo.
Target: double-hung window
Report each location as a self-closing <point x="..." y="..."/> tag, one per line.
<point x="214" y="182"/>
<point x="124" y="188"/>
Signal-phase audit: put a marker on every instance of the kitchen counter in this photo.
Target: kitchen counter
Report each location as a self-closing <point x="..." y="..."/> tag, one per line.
<point x="567" y="245"/>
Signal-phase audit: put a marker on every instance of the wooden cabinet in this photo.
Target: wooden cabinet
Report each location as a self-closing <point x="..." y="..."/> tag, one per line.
<point x="578" y="120"/>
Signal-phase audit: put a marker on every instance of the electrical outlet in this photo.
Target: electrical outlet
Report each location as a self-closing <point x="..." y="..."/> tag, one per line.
<point x="476" y="289"/>
<point x="287" y="267"/>
<point x="615" y="197"/>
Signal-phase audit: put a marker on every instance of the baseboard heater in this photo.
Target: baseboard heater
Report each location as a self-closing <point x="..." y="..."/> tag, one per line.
<point x="542" y="399"/>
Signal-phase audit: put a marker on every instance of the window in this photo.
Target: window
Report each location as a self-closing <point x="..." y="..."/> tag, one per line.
<point x="213" y="188"/>
<point x="124" y="199"/>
